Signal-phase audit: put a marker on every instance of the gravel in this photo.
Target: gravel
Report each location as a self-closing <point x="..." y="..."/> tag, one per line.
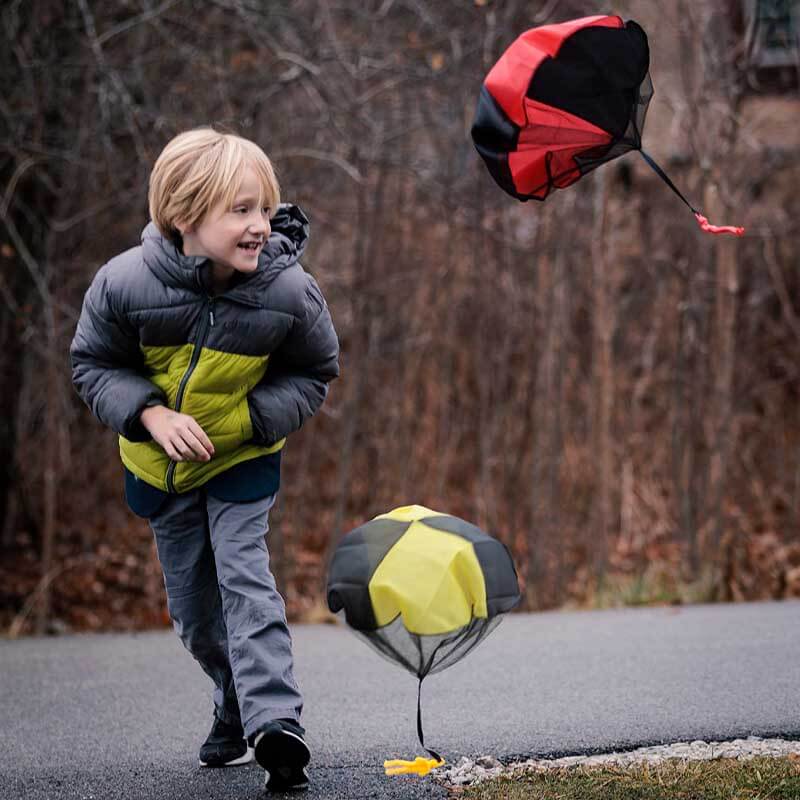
<point x="470" y="772"/>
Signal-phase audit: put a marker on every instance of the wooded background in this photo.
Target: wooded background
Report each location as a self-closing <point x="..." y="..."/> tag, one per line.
<point x="593" y="380"/>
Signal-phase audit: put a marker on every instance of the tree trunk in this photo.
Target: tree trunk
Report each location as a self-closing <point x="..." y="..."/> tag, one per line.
<point x="603" y="401"/>
<point x="724" y="357"/>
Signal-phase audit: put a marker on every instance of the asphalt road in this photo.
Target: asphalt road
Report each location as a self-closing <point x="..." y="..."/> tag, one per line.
<point x="122" y="716"/>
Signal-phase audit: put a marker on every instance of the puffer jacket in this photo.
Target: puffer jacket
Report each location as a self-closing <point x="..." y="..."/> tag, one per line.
<point x="250" y="365"/>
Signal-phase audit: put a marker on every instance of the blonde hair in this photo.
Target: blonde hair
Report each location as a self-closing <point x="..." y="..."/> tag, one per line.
<point x="201" y="169"/>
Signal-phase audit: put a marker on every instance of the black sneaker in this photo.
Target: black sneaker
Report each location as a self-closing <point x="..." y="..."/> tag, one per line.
<point x="281" y="750"/>
<point x="225" y="746"/>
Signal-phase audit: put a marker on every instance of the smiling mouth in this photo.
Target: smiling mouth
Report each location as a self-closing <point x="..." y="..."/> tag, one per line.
<point x="250" y="246"/>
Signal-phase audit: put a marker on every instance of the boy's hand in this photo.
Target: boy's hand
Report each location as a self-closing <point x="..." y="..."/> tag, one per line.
<point x="179" y="434"/>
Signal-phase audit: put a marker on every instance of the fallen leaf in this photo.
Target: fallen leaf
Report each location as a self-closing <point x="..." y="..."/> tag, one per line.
<point x="436" y="61"/>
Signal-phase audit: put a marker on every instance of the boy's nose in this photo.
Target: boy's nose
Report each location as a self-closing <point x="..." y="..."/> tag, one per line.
<point x="260" y="226"/>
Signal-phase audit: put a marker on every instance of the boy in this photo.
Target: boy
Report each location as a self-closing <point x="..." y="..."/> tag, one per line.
<point x="203" y="349"/>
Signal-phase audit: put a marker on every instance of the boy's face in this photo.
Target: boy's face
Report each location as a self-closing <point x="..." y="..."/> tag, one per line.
<point x="231" y="237"/>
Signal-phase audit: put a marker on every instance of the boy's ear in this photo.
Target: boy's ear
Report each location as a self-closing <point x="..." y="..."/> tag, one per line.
<point x="182" y="227"/>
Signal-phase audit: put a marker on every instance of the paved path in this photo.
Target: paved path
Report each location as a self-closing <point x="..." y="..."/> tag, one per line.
<point x="122" y="716"/>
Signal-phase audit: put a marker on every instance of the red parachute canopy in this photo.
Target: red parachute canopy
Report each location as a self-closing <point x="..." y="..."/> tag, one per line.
<point x="564" y="99"/>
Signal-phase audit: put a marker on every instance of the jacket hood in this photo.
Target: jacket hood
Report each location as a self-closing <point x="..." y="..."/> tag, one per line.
<point x="285" y="245"/>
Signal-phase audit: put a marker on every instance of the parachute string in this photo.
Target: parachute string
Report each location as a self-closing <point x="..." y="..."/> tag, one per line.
<point x="664" y="177"/>
<point x="420" y="734"/>
<point x="701" y="220"/>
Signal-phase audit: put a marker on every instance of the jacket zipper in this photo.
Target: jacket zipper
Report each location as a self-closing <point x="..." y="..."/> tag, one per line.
<point x="206" y="322"/>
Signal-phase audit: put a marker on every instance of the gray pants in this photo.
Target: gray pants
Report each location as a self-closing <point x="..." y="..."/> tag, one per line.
<point x="224" y="604"/>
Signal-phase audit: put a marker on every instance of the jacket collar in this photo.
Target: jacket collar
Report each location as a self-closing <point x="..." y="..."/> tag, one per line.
<point x="285" y="246"/>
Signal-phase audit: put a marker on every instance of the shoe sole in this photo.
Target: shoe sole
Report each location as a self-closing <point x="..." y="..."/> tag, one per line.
<point x="284" y="755"/>
<point x="245" y="759"/>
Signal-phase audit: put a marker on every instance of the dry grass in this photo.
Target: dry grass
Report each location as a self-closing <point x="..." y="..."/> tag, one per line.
<point x="724" y="779"/>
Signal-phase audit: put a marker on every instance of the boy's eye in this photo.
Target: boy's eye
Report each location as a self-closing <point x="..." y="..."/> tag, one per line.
<point x="244" y="209"/>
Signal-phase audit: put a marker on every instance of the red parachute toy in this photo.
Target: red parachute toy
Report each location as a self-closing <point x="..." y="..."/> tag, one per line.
<point x="564" y="99"/>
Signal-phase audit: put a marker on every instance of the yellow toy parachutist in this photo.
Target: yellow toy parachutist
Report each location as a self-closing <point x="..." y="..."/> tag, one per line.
<point x="419" y="766"/>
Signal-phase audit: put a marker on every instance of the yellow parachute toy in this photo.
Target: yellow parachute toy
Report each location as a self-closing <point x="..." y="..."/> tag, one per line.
<point x="423" y="588"/>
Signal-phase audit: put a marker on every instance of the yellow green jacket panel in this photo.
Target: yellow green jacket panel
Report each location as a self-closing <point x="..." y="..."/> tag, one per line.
<point x="250" y="365"/>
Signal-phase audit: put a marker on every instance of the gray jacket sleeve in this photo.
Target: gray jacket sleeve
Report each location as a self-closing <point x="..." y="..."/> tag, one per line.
<point x="295" y="384"/>
<point x="108" y="366"/>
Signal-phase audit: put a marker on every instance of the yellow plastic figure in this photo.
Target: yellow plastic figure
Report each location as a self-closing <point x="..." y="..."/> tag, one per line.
<point x="419" y="766"/>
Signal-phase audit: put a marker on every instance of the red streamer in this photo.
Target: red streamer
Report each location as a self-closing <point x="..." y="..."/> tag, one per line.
<point x="709" y="228"/>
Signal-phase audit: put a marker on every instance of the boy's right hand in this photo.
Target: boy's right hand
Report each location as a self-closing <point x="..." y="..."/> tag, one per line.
<point x="179" y="434"/>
